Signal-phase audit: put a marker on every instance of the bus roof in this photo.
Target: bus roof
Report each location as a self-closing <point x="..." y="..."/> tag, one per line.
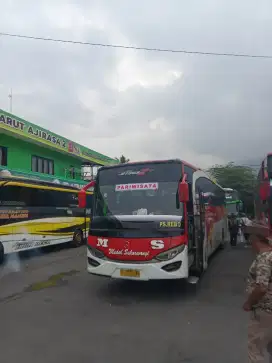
<point x="36" y="182"/>
<point x="168" y="161"/>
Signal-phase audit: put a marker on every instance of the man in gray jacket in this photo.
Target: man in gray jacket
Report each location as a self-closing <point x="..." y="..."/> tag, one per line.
<point x="259" y="299"/>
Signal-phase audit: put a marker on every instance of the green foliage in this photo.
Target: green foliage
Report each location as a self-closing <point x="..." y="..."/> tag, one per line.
<point x="241" y="178"/>
<point x="123" y="159"/>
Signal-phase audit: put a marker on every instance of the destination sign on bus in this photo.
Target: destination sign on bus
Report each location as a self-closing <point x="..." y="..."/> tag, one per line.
<point x="136" y="186"/>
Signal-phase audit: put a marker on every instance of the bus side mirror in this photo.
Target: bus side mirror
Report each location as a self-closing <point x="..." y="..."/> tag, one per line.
<point x="183" y="192"/>
<point x="264" y="191"/>
<point x="82" y="198"/>
<point x="82" y="202"/>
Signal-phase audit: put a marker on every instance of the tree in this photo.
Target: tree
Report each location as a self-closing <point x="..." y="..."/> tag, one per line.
<point x="123" y="159"/>
<point x="238" y="177"/>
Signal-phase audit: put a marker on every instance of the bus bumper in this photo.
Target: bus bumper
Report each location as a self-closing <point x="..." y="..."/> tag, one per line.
<point x="176" y="268"/>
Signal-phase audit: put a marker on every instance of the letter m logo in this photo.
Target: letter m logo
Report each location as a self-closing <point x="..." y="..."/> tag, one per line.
<point x="102" y="242"/>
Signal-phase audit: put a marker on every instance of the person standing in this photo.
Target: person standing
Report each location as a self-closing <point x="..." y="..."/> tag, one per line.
<point x="245" y="221"/>
<point x="259" y="300"/>
<point x="233" y="229"/>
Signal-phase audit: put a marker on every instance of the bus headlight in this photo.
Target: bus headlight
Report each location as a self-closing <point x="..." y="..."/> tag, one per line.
<point x="95" y="252"/>
<point x="168" y="255"/>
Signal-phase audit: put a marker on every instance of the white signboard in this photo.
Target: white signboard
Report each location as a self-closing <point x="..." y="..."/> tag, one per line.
<point x="136" y="186"/>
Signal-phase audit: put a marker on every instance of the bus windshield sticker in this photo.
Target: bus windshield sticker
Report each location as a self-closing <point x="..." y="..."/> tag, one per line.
<point x="136" y="186"/>
<point x="136" y="172"/>
<point x="170" y="224"/>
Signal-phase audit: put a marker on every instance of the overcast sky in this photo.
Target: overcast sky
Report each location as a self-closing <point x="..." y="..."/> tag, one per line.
<point x="145" y="105"/>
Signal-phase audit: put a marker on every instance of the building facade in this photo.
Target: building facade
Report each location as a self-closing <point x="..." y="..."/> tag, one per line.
<point x="28" y="150"/>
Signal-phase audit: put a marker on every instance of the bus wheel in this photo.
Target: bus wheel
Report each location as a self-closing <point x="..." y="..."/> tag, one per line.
<point x="1" y="253"/>
<point x="78" y="239"/>
<point x="200" y="266"/>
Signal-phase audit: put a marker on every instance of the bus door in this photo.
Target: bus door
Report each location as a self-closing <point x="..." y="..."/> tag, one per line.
<point x="199" y="218"/>
<point x="199" y="223"/>
<point x="191" y="222"/>
<point x="87" y="214"/>
<point x="15" y="231"/>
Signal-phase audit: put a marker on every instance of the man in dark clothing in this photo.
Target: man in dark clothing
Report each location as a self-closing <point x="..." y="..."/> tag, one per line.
<point x="233" y="229"/>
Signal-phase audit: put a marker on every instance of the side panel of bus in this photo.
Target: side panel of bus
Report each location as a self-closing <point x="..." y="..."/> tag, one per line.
<point x="216" y="228"/>
<point x="262" y="207"/>
<point x="32" y="217"/>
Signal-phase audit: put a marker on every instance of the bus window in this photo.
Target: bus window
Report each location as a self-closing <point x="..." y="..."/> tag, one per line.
<point x="34" y="197"/>
<point x="265" y="170"/>
<point x="213" y="195"/>
<point x="189" y="172"/>
<point x="89" y="201"/>
<point x="12" y="196"/>
<point x="55" y="198"/>
<point x="269" y="165"/>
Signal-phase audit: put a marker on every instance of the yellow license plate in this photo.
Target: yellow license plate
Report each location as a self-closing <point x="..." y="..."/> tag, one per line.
<point x="129" y="273"/>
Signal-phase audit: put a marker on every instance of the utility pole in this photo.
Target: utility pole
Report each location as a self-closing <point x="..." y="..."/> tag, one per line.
<point x="10" y="101"/>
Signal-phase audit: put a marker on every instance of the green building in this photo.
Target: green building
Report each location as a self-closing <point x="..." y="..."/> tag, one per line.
<point x="28" y="150"/>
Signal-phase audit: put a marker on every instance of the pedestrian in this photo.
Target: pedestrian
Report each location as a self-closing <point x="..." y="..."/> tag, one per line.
<point x="233" y="229"/>
<point x="245" y="221"/>
<point x="259" y="300"/>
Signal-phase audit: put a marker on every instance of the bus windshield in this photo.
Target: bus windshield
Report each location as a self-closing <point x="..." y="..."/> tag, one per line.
<point x="163" y="201"/>
<point x="231" y="196"/>
<point x="232" y="208"/>
<point x="139" y="190"/>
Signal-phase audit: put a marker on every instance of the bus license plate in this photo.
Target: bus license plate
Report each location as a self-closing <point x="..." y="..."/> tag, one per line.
<point x="130" y="273"/>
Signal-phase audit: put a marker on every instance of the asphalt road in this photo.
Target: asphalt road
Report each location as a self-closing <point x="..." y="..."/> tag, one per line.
<point x="52" y="311"/>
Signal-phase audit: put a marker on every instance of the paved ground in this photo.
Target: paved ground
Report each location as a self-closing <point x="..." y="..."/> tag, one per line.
<point x="77" y="318"/>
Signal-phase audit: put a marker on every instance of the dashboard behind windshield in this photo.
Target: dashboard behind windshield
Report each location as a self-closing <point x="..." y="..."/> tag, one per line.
<point x="163" y="201"/>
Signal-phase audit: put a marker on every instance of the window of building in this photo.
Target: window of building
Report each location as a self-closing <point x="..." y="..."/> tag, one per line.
<point x="51" y="167"/>
<point x="72" y="173"/>
<point x="3" y="156"/>
<point x="42" y="165"/>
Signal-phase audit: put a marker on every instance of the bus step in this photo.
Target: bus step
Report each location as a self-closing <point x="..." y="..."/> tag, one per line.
<point x="193" y="280"/>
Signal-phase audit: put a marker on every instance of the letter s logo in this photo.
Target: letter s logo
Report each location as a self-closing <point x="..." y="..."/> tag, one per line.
<point x="157" y="244"/>
<point x="102" y="242"/>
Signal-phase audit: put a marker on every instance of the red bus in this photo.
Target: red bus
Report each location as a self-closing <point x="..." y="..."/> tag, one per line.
<point x="154" y="220"/>
<point x="263" y="195"/>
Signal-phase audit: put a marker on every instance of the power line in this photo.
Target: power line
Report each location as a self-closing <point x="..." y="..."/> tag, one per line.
<point x="162" y="50"/>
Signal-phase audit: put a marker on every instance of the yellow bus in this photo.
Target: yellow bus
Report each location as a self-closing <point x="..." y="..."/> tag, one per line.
<point x="36" y="214"/>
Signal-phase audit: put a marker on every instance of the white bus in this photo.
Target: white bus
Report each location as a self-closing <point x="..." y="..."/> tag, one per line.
<point x="36" y="214"/>
<point x="154" y="220"/>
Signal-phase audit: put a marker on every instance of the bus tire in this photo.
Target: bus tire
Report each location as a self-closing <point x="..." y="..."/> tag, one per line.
<point x="198" y="270"/>
<point x="78" y="239"/>
<point x="2" y="253"/>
